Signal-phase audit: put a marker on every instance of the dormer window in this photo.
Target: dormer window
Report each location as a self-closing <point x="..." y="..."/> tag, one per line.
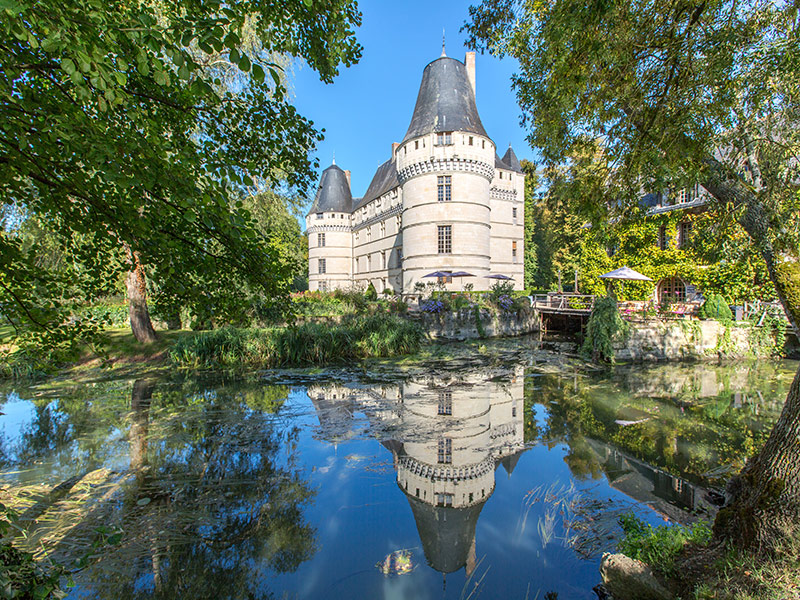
<point x="319" y="215"/>
<point x="416" y="145"/>
<point x="444" y="138"/>
<point x="470" y="140"/>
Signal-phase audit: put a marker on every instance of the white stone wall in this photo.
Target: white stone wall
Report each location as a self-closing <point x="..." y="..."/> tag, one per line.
<point x="507" y="193"/>
<point x="337" y="252"/>
<point x="420" y="163"/>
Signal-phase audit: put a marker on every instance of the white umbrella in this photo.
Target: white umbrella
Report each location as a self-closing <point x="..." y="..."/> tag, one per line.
<point x="625" y="273"/>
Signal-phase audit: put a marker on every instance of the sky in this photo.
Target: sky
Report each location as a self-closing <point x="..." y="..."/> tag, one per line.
<point x="369" y="105"/>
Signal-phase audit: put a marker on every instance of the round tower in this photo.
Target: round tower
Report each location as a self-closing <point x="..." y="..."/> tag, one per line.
<point x="330" y="245"/>
<point x="445" y="165"/>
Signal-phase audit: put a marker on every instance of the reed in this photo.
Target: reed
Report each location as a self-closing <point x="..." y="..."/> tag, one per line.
<point x="308" y="344"/>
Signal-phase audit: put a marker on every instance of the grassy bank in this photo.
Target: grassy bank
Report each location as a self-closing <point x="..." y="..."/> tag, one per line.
<point x="694" y="569"/>
<point x="377" y="336"/>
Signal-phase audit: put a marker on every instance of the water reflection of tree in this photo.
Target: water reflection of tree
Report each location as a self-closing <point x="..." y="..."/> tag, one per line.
<point x="685" y="431"/>
<point x="213" y="501"/>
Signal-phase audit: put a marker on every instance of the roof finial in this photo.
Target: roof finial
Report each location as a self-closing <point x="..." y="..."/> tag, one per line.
<point x="443" y="52"/>
<point x="334" y="157"/>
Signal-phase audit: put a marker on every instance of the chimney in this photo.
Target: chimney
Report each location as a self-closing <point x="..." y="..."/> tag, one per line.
<point x="395" y="146"/>
<point x="469" y="61"/>
<point x="347" y="174"/>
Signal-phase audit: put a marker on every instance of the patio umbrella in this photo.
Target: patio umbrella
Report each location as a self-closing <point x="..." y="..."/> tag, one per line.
<point x="461" y="274"/>
<point x="501" y="277"/>
<point x="625" y="273"/>
<point x="439" y="274"/>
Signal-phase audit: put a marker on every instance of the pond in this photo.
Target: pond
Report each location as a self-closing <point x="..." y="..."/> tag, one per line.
<point x="502" y="476"/>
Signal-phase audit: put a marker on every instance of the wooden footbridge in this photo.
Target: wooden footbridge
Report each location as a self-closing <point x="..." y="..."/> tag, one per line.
<point x="566" y="313"/>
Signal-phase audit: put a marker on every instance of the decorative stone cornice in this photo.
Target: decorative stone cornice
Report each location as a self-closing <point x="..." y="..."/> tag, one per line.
<point x="444" y="473"/>
<point x="447" y="165"/>
<point x="496" y="193"/>
<point x="322" y="228"/>
<point x="394" y="210"/>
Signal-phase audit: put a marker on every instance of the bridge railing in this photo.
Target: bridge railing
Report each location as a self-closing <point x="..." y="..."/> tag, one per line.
<point x="565" y="302"/>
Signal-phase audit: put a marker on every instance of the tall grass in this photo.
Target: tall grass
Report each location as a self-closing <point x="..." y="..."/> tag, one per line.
<point x="308" y="344"/>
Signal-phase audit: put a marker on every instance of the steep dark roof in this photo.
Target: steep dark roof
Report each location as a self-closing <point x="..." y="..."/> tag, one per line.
<point x="333" y="194"/>
<point x="385" y="179"/>
<point x="511" y="160"/>
<point x="499" y="164"/>
<point x="446" y="101"/>
<point x="446" y="533"/>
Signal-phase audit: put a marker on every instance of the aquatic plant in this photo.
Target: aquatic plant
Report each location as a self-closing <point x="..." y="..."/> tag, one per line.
<point x="356" y="337"/>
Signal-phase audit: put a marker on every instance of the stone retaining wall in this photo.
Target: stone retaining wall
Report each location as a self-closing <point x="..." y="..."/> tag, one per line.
<point x="461" y="325"/>
<point x="684" y="339"/>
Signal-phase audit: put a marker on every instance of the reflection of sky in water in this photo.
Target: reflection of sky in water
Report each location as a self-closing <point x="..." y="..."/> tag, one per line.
<point x="349" y="450"/>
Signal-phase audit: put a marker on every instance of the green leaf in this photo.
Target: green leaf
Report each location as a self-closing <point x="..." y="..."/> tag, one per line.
<point x="68" y="66"/>
<point x="258" y="73"/>
<point x="244" y="63"/>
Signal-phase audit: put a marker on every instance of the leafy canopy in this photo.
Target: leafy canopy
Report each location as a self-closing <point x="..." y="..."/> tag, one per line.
<point x="144" y="124"/>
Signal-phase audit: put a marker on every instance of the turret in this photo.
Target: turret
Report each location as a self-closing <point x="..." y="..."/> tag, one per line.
<point x="445" y="164"/>
<point x="330" y="247"/>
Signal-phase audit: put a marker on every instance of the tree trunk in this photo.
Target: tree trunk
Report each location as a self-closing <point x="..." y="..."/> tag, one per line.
<point x="141" y="325"/>
<point x="763" y="501"/>
<point x="763" y="505"/>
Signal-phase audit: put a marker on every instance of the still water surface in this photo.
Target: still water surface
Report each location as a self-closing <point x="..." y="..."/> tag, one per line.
<point x="485" y="479"/>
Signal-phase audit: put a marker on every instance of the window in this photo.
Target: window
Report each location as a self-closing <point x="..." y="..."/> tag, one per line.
<point x="323" y="287"/>
<point x="445" y="239"/>
<point x="514" y="215"/>
<point x="443" y="186"/>
<point x="672" y="290"/>
<point x="322" y="266"/>
<point x="319" y="215"/>
<point x="663" y="240"/>
<point x="321" y="240"/>
<point x="483" y="143"/>
<point x="501" y="174"/>
<point x="416" y="145"/>
<point x="470" y="140"/>
<point x="514" y="252"/>
<point x="445" y="451"/>
<point x="447" y="279"/>
<point x="684" y="233"/>
<point x="444" y="138"/>
<point x="444" y="499"/>
<point x="383" y="262"/>
<point x="383" y="228"/>
<point x="445" y="402"/>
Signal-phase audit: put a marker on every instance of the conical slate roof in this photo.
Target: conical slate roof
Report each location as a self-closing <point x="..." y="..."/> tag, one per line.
<point x="446" y="533"/>
<point x="446" y="101"/>
<point x="511" y="160"/>
<point x="333" y="194"/>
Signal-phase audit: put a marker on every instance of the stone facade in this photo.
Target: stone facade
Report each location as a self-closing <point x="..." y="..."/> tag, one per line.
<point x="444" y="201"/>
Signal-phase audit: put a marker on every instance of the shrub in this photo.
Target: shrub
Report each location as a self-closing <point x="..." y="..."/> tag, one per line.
<point x="371" y="294"/>
<point x="501" y="288"/>
<point x="398" y="306"/>
<point x="658" y="547"/>
<point x="715" y="307"/>
<point x="605" y="326"/>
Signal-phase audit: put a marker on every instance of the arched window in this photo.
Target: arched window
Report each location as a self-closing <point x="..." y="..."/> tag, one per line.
<point x="671" y="290"/>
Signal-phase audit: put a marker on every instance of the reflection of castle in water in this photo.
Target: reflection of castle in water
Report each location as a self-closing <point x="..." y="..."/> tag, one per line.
<point x="447" y="439"/>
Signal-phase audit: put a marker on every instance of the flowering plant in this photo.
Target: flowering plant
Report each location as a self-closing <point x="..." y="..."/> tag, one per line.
<point x="433" y="306"/>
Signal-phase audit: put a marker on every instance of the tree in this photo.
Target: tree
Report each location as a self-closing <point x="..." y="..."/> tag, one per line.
<point x="117" y="123"/>
<point x="681" y="92"/>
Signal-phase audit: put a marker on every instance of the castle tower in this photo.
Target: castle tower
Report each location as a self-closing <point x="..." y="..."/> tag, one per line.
<point x="330" y="246"/>
<point x="445" y="165"/>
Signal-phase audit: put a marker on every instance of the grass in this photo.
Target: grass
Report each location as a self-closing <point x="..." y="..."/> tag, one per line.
<point x="377" y="336"/>
<point x="695" y="570"/>
<point x="659" y="546"/>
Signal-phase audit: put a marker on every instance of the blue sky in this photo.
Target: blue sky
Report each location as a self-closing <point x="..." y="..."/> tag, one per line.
<point x="369" y="105"/>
